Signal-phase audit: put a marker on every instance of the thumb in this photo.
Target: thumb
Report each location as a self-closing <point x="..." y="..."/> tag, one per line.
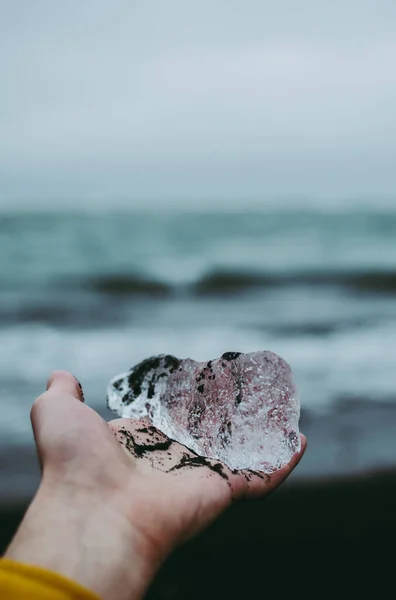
<point x="54" y="410"/>
<point x="66" y="383"/>
<point x="62" y="387"/>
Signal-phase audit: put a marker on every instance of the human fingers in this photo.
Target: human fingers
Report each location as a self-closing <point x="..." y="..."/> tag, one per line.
<point x="60" y="384"/>
<point x="259" y="484"/>
<point x="64" y="382"/>
<point x="54" y="413"/>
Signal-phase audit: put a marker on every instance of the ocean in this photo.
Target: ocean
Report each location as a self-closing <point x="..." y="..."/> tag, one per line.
<point x="96" y="293"/>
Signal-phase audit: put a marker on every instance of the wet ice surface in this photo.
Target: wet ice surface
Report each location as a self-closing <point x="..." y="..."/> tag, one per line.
<point x="242" y="409"/>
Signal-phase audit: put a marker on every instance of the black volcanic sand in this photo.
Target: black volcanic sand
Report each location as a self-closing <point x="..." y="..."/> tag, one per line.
<point x="307" y="538"/>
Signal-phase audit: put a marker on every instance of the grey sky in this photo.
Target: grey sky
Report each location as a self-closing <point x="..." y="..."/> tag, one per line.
<point x="127" y="101"/>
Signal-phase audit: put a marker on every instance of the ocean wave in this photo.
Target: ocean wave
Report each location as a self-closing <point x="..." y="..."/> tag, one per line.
<point x="224" y="282"/>
<point x="61" y="316"/>
<point x="106" y="299"/>
<point x="228" y="282"/>
<point x="128" y="285"/>
<point x="374" y="281"/>
<point x="320" y="329"/>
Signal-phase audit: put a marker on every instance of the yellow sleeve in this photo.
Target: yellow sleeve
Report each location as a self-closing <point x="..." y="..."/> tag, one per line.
<point x="24" y="582"/>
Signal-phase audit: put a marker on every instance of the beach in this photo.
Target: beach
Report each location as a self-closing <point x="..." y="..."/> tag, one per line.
<point x="96" y="294"/>
<point x="201" y="180"/>
<point x="308" y="538"/>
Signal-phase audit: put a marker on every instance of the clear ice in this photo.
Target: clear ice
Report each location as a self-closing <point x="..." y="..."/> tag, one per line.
<point x="242" y="409"/>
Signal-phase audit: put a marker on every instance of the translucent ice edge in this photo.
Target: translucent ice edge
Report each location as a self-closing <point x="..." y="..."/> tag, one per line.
<point x="266" y="449"/>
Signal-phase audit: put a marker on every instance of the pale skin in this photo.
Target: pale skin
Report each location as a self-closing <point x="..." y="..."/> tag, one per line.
<point x="110" y="508"/>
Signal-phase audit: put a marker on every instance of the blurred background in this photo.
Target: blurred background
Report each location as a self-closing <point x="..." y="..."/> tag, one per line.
<point x="195" y="178"/>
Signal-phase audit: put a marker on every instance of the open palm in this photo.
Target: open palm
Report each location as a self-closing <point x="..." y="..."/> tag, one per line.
<point x="165" y="490"/>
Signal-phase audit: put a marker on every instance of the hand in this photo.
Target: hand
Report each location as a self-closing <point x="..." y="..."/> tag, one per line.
<point x="117" y="497"/>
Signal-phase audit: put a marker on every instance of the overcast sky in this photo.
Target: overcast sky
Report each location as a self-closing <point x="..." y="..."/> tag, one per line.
<point x="125" y="102"/>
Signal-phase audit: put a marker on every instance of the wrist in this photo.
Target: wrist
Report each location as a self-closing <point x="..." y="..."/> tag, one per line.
<point x="82" y="536"/>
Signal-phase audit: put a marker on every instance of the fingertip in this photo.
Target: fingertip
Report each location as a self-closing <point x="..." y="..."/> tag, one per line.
<point x="298" y="456"/>
<point x="261" y="483"/>
<point x="65" y="382"/>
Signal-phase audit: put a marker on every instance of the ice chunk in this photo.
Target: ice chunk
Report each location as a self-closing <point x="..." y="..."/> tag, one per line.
<point x="242" y="409"/>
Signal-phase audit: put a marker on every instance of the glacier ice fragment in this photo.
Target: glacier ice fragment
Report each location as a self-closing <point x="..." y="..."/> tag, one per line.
<point x="242" y="409"/>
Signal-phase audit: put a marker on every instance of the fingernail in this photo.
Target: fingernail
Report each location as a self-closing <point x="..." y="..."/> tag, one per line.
<point x="80" y="386"/>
